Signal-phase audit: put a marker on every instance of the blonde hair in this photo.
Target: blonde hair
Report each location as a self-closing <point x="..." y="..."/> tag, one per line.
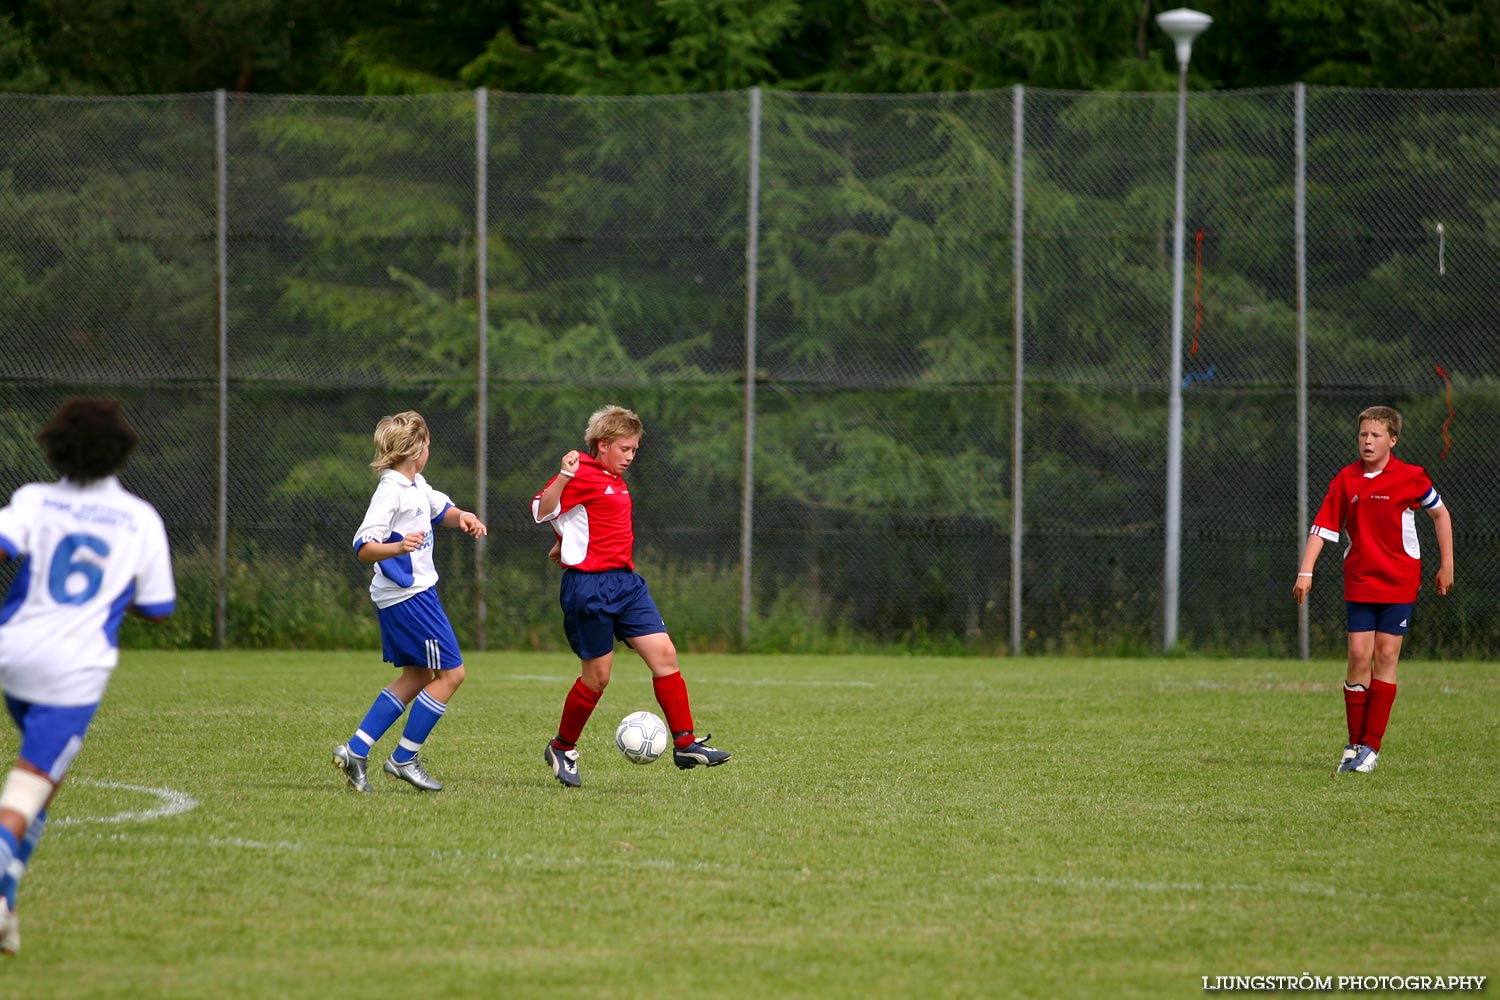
<point x="611" y="423"/>
<point x="1385" y="415"/>
<point x="398" y="439"/>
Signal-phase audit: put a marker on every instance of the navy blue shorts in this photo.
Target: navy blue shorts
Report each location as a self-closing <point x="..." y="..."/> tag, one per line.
<point x="416" y="633"/>
<point x="1388" y="618"/>
<point x="600" y="607"/>
<point x="51" y="735"/>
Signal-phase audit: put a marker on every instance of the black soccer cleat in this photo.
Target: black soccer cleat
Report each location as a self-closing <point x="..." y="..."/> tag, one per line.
<point x="564" y="764"/>
<point x="1346" y="759"/>
<point x="699" y="754"/>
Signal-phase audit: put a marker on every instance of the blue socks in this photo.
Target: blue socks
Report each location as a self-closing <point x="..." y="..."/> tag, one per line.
<point x="425" y="713"/>
<point x="15" y="867"/>
<point x="11" y="865"/>
<point x="386" y="710"/>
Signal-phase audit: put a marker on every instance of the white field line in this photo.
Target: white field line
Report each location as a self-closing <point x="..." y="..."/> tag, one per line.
<point x="700" y="678"/>
<point x="172" y="802"/>
<point x="624" y="860"/>
<point x="1136" y="885"/>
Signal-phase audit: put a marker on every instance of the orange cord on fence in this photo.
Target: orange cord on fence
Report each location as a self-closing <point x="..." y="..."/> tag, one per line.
<point x="1448" y="382"/>
<point x="1197" y="296"/>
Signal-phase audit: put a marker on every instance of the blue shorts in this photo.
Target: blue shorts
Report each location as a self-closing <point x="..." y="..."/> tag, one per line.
<point x="51" y="735"/>
<point x="416" y="633"/>
<point x="600" y="607"/>
<point x="1388" y="618"/>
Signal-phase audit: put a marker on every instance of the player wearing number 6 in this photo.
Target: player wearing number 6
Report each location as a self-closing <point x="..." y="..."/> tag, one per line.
<point x="89" y="551"/>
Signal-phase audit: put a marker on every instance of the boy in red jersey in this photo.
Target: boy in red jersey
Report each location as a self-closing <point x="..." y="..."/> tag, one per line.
<point x="602" y="597"/>
<point x="1375" y="501"/>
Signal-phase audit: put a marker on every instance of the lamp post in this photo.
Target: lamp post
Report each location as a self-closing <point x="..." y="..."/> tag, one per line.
<point x="1183" y="26"/>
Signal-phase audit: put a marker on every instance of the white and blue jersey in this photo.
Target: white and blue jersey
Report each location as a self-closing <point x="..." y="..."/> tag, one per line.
<point x="399" y="507"/>
<point x="87" y="553"/>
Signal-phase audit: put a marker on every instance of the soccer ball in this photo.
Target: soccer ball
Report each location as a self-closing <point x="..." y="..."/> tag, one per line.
<point x="642" y="737"/>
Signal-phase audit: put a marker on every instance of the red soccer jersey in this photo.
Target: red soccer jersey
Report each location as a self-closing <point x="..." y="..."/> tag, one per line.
<point x="1383" y="563"/>
<point x="593" y="519"/>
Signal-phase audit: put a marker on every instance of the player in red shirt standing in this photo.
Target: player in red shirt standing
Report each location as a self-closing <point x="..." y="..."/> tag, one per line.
<point x="1375" y="500"/>
<point x="602" y="597"/>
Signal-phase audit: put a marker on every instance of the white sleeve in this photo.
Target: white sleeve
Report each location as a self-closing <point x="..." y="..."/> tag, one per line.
<point x="155" y="591"/>
<point x="438" y="503"/>
<point x="376" y="527"/>
<point x="15" y="526"/>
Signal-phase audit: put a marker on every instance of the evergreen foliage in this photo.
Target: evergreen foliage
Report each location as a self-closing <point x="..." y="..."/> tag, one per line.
<point x="687" y="46"/>
<point x="617" y="233"/>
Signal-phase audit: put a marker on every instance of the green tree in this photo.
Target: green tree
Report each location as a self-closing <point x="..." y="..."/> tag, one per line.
<point x="166" y="46"/>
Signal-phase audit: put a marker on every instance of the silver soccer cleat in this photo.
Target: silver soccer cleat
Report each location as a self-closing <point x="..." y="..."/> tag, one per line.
<point x="10" y="929"/>
<point x="413" y="774"/>
<point x="354" y="767"/>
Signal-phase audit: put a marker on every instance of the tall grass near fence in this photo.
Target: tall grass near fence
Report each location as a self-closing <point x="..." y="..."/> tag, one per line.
<point x="309" y="600"/>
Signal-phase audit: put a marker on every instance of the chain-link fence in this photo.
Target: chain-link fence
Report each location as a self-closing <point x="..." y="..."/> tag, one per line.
<point x="813" y="302"/>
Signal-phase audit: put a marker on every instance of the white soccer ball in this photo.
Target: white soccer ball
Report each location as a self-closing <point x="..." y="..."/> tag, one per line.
<point x="642" y="737"/>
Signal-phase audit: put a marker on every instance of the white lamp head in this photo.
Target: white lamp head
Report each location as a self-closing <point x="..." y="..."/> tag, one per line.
<point x="1183" y="25"/>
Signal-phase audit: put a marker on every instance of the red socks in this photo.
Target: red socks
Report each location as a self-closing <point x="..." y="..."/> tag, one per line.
<point x="1378" y="714"/>
<point x="1369" y="712"/>
<point x="1355" y="700"/>
<point x="577" y="708"/>
<point x="672" y="696"/>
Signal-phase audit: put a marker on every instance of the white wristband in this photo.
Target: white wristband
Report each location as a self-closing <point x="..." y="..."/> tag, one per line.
<point x="1304" y="574"/>
<point x="565" y="472"/>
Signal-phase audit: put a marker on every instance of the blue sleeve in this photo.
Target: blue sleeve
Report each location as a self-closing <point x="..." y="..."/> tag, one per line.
<point x="397" y="569"/>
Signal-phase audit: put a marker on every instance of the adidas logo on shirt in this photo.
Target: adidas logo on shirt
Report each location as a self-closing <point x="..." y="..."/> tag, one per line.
<point x="609" y="491"/>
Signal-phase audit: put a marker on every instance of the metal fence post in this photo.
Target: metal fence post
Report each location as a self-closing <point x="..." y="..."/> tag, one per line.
<point x="221" y="254"/>
<point x="1172" y="568"/>
<point x="1300" y="229"/>
<point x="482" y="351"/>
<point x="752" y="258"/>
<point x="1018" y="327"/>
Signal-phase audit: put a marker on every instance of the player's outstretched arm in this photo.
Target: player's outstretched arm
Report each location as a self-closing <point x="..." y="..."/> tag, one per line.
<point x="465" y="520"/>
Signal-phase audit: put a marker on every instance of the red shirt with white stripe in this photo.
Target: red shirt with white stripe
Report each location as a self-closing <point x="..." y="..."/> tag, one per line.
<point x="593" y="519"/>
<point x="1383" y="563"/>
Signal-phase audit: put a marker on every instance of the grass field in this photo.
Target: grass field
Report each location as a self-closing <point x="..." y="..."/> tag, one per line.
<point x="889" y="827"/>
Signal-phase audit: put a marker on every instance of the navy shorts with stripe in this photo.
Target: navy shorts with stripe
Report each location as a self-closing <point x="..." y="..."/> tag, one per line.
<point x="417" y="633"/>
<point x="51" y="735"/>
<point x="1391" y="619"/>
<point x="601" y="607"/>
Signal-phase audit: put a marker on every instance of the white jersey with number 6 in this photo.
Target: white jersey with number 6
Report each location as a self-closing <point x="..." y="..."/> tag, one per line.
<point x="87" y="553"/>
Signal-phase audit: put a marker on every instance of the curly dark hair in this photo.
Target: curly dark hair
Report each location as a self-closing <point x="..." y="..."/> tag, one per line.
<point x="88" y="438"/>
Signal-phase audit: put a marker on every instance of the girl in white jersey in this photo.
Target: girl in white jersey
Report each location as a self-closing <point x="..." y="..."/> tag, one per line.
<point x="89" y="551"/>
<point x="395" y="538"/>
